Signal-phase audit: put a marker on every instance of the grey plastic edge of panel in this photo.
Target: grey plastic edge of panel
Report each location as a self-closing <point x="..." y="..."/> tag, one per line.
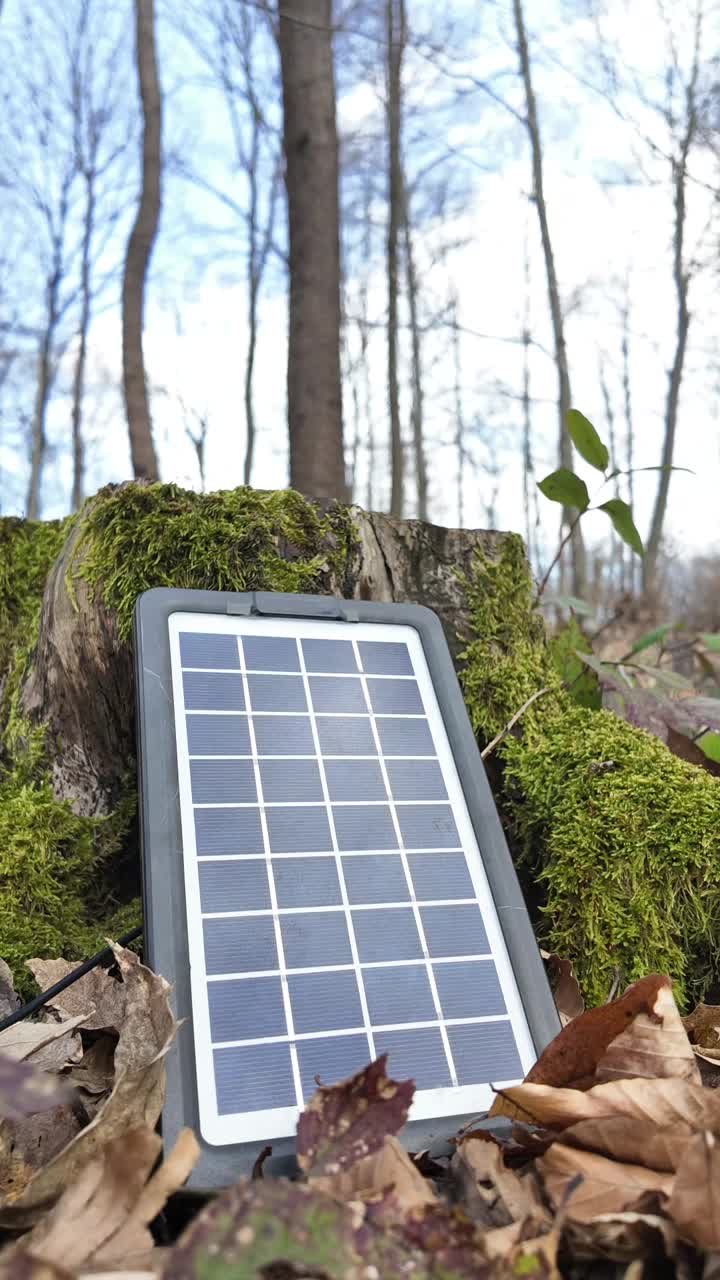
<point x="163" y="883"/>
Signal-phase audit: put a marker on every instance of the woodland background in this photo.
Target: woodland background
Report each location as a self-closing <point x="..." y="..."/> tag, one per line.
<point x="527" y="218"/>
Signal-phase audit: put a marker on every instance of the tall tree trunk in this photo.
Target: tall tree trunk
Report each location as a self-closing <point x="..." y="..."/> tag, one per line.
<point x="317" y="459"/>
<point x="38" y="447"/>
<point x="78" y="388"/>
<point x="629" y="424"/>
<point x="395" y="48"/>
<point x="140" y="247"/>
<point x="681" y="280"/>
<point x="579" y="571"/>
<point x="417" y="410"/>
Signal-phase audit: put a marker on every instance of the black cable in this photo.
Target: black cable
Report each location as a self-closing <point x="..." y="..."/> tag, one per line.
<point x="37" y="1002"/>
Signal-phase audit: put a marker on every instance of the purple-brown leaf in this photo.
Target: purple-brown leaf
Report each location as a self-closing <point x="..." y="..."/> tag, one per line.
<point x="345" y="1122"/>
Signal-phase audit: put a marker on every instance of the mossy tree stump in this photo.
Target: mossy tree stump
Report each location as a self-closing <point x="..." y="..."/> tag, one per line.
<point x="66" y="676"/>
<point x="618" y="839"/>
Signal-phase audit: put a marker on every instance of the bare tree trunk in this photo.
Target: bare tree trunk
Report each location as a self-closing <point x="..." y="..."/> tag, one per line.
<point x="395" y="48"/>
<point x="139" y="249"/>
<point x="317" y="459"/>
<point x="417" y="409"/>
<point x="459" y="432"/>
<point x="629" y="424"/>
<point x="681" y="278"/>
<point x="564" y="401"/>
<point x="78" y="389"/>
<point x="38" y="447"/>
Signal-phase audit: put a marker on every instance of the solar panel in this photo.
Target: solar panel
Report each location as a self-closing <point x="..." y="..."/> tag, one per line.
<point x="336" y="895"/>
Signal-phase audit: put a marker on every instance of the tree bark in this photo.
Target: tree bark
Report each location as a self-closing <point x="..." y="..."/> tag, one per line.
<point x="139" y="250"/>
<point x="395" y="48"/>
<point x="305" y="38"/>
<point x="80" y="682"/>
<point x="417" y="416"/>
<point x="78" y="391"/>
<point x="681" y="280"/>
<point x="561" y="360"/>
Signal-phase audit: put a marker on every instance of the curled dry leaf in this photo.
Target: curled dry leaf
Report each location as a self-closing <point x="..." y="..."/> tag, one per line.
<point x="50" y="1045"/>
<point x="97" y="995"/>
<point x="654" y="1044"/>
<point x="565" y="986"/>
<point x="146" y="1033"/>
<point x="639" y="1121"/>
<point x="9" y="1000"/>
<point x="489" y="1192"/>
<point x="571" y="1059"/>
<point x="22" y="1266"/>
<point x="621" y="1237"/>
<point x="703" y="1029"/>
<point x="694" y="1204"/>
<point x="389" y="1169"/>
<point x="104" y="1216"/>
<point x="606" y="1186"/>
<point x="343" y="1123"/>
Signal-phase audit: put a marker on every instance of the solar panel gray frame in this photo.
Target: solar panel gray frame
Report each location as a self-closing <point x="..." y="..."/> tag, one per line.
<point x="160" y="824"/>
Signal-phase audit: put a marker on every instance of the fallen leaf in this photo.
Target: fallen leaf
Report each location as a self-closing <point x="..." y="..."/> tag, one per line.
<point x="654" y="1044"/>
<point x="133" y="1237"/>
<point x="25" y="1089"/>
<point x="49" y="1045"/>
<point x="565" y="986"/>
<point x="694" y="1204"/>
<point x="489" y="1192"/>
<point x="389" y="1169"/>
<point x="29" y="1145"/>
<point x="97" y="1201"/>
<point x="97" y="994"/>
<point x="9" y="1000"/>
<point x="147" y="1031"/>
<point x="343" y="1123"/>
<point x="606" y="1187"/>
<point x="636" y="1120"/>
<point x="703" y="1029"/>
<point x="621" y="1237"/>
<point x="22" y="1266"/>
<point x="95" y="1073"/>
<point x="571" y="1059"/>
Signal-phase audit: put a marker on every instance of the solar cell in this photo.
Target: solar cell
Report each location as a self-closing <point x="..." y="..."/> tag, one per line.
<point x="337" y="905"/>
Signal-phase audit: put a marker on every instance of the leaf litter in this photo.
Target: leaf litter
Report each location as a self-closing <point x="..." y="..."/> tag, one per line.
<point x="606" y="1156"/>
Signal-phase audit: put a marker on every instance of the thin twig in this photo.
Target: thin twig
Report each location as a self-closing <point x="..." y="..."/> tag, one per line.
<point x="558" y="554"/>
<point x="513" y="721"/>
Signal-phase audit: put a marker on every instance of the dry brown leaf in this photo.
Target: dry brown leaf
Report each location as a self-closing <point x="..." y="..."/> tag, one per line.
<point x="607" y="1186"/>
<point x="391" y="1166"/>
<point x="95" y="1073"/>
<point x="621" y="1237"/>
<point x="49" y="1045"/>
<point x="97" y="995"/>
<point x="499" y="1241"/>
<point x="631" y="1141"/>
<point x="9" y="1000"/>
<point x="694" y="1204"/>
<point x="97" y="1202"/>
<point x="491" y="1193"/>
<point x="571" y="1059"/>
<point x="655" y="1044"/>
<point x="703" y="1028"/>
<point x="565" y="986"/>
<point x="136" y="1100"/>
<point x="22" y="1266"/>
<point x="654" y="1115"/>
<point x="133" y="1237"/>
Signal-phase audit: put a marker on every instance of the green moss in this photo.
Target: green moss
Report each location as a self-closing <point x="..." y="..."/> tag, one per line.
<point x="582" y="683"/>
<point x="27" y="551"/>
<point x="55" y="866"/>
<point x="624" y="837"/>
<point x="137" y="537"/>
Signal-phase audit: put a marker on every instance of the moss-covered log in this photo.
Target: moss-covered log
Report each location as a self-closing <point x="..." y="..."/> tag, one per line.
<point x="68" y="861"/>
<point x="619" y="840"/>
